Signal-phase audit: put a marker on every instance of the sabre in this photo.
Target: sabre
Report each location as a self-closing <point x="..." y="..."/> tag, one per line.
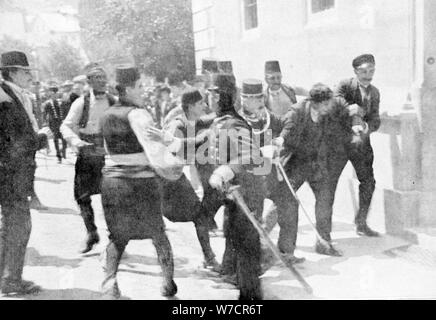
<point x="236" y="195"/>
<point x="284" y="175"/>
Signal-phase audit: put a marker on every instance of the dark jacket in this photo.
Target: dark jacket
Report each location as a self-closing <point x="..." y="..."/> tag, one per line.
<point x="18" y="144"/>
<point x="350" y="91"/>
<point x="334" y="136"/>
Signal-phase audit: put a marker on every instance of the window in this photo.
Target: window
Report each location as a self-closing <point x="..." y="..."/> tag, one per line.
<point x="322" y="5"/>
<point x="250" y="14"/>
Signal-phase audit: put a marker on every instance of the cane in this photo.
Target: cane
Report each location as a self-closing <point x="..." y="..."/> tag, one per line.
<point x="236" y="196"/>
<point x="283" y="173"/>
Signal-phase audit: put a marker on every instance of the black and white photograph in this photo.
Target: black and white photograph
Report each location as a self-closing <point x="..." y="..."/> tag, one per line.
<point x="233" y="151"/>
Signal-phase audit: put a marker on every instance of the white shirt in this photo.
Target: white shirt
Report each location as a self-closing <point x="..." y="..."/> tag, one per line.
<point x="70" y="127"/>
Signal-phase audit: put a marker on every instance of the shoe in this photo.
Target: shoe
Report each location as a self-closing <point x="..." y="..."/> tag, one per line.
<point x="169" y="290"/>
<point x="92" y="240"/>
<point x="231" y="279"/>
<point x="327" y="250"/>
<point x="36" y="204"/>
<point x="289" y="257"/>
<point x="212" y="265"/>
<point x="59" y="160"/>
<point x="365" y="231"/>
<point x="19" y="288"/>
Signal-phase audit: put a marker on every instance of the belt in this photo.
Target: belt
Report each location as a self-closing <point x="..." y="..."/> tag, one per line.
<point x="95" y="139"/>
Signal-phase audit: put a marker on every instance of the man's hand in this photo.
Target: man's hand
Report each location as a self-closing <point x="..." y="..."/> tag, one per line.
<point x="160" y="135"/>
<point x="355" y="110"/>
<point x="217" y="182"/>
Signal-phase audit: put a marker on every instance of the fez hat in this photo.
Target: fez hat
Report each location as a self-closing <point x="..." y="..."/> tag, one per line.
<point x="252" y="88"/>
<point x="14" y="59"/>
<point x="223" y="82"/>
<point x="225" y="67"/>
<point x="126" y="75"/>
<point x="209" y="65"/>
<point x="363" y="59"/>
<point x="272" y="67"/>
<point x="191" y="97"/>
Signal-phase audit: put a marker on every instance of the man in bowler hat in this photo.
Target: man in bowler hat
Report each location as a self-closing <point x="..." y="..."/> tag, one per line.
<point x="19" y="142"/>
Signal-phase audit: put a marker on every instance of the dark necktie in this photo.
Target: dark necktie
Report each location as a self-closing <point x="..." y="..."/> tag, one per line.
<point x="366" y="98"/>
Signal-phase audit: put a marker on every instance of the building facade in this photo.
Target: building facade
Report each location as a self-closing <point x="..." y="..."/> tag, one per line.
<point x="315" y="41"/>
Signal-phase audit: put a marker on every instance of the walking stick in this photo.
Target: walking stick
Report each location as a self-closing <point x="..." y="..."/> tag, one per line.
<point x="236" y="195"/>
<point x="283" y="173"/>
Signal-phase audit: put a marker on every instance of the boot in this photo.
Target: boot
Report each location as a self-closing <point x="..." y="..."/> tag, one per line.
<point x="212" y="264"/>
<point x="169" y="289"/>
<point x="327" y="250"/>
<point x="92" y="240"/>
<point x="19" y="288"/>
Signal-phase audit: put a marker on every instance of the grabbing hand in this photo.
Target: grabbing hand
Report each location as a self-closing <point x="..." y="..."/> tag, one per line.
<point x="355" y="110"/>
<point x="160" y="135"/>
<point x="217" y="182"/>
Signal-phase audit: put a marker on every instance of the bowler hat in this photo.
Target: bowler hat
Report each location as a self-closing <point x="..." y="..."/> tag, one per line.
<point x="362" y="59"/>
<point x="272" y="67"/>
<point x="223" y="82"/>
<point x="225" y="67"/>
<point x="252" y="88"/>
<point x="14" y="59"/>
<point x="126" y="75"/>
<point x="191" y="97"/>
<point x="209" y="65"/>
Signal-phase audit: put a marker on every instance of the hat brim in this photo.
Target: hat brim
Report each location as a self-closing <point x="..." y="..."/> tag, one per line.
<point x="18" y="67"/>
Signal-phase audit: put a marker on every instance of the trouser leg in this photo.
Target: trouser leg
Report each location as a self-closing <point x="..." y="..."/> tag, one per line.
<point x="287" y="208"/>
<point x="325" y="196"/>
<point x="247" y="244"/>
<point x="165" y="256"/>
<point x="202" y="228"/>
<point x="362" y="160"/>
<point x="114" y="252"/>
<point x="87" y="213"/>
<point x="15" y="233"/>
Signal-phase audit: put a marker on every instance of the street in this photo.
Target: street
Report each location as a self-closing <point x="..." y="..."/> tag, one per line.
<point x="383" y="268"/>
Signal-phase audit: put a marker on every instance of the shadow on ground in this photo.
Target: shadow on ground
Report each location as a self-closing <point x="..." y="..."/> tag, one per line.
<point x="34" y="259"/>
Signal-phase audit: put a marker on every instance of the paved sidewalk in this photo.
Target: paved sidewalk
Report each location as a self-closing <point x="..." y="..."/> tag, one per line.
<point x="383" y="268"/>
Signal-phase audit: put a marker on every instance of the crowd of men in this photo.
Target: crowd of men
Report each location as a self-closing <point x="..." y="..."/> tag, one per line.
<point x="151" y="156"/>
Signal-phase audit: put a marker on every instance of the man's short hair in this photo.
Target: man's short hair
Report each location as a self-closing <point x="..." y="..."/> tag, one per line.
<point x="362" y="59"/>
<point x="320" y="93"/>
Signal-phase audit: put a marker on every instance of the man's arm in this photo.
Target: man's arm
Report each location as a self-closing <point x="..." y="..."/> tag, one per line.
<point x="160" y="158"/>
<point x="70" y="126"/>
<point x="373" y="118"/>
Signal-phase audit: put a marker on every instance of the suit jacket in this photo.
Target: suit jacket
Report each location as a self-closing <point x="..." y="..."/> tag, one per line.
<point x="18" y="140"/>
<point x="350" y="91"/>
<point x="53" y="114"/>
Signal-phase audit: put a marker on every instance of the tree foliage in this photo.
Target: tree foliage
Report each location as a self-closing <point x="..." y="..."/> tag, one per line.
<point x="63" y="61"/>
<point x="157" y="34"/>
